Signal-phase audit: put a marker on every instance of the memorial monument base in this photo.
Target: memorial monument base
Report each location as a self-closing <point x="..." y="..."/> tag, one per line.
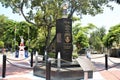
<point x="71" y="71"/>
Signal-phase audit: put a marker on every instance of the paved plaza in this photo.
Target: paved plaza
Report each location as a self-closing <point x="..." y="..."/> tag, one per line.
<point x="26" y="73"/>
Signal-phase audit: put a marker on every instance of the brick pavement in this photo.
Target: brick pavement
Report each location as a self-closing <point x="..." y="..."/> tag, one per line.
<point x="13" y="70"/>
<point x="111" y="75"/>
<point x="113" y="72"/>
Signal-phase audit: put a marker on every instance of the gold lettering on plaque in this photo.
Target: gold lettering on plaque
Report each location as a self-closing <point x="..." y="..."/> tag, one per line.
<point x="67" y="46"/>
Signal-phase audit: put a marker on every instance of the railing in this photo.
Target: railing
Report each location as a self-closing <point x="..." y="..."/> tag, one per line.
<point x="10" y="61"/>
<point x="107" y="58"/>
<point x="48" y="64"/>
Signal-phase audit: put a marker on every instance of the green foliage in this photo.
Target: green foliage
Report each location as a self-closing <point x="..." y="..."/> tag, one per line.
<point x="44" y="13"/>
<point x="80" y="35"/>
<point x="12" y="30"/>
<point x="75" y="55"/>
<point x="49" y="7"/>
<point x="96" y="38"/>
<point x="112" y="36"/>
<point x="81" y="40"/>
<point x="1" y="44"/>
<point x="2" y="24"/>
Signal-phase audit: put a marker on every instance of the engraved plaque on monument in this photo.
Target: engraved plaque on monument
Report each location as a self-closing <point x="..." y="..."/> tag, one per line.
<point x="64" y="38"/>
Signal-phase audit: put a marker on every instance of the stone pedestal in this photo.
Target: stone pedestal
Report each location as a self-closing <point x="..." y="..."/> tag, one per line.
<point x="68" y="71"/>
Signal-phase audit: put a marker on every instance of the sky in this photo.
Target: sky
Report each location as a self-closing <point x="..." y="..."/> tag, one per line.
<point x="107" y="19"/>
<point x="8" y="13"/>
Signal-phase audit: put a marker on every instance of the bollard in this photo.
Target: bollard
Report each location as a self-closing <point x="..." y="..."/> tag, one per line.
<point x="106" y="61"/>
<point x="48" y="70"/>
<point x="31" y="61"/>
<point x="46" y="56"/>
<point x="59" y="60"/>
<point x="4" y="66"/>
<point x="36" y="58"/>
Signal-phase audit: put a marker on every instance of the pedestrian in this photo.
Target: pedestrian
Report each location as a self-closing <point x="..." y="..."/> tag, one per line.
<point x="88" y="54"/>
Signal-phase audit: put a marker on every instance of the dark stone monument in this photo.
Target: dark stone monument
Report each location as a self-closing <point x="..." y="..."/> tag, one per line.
<point x="64" y="38"/>
<point x="69" y="69"/>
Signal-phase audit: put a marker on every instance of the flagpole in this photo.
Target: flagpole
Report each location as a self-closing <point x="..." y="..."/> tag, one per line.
<point x="15" y="39"/>
<point x="28" y="39"/>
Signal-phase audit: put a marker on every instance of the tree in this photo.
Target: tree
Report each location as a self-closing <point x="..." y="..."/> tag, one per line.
<point x="91" y="7"/>
<point x="12" y="30"/>
<point x="96" y="39"/>
<point x="2" y="25"/>
<point x="1" y="44"/>
<point x="112" y="36"/>
<point x="44" y="13"/>
<point x="80" y="35"/>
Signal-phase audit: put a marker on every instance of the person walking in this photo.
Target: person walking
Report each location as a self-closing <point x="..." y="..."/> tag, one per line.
<point x="88" y="54"/>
